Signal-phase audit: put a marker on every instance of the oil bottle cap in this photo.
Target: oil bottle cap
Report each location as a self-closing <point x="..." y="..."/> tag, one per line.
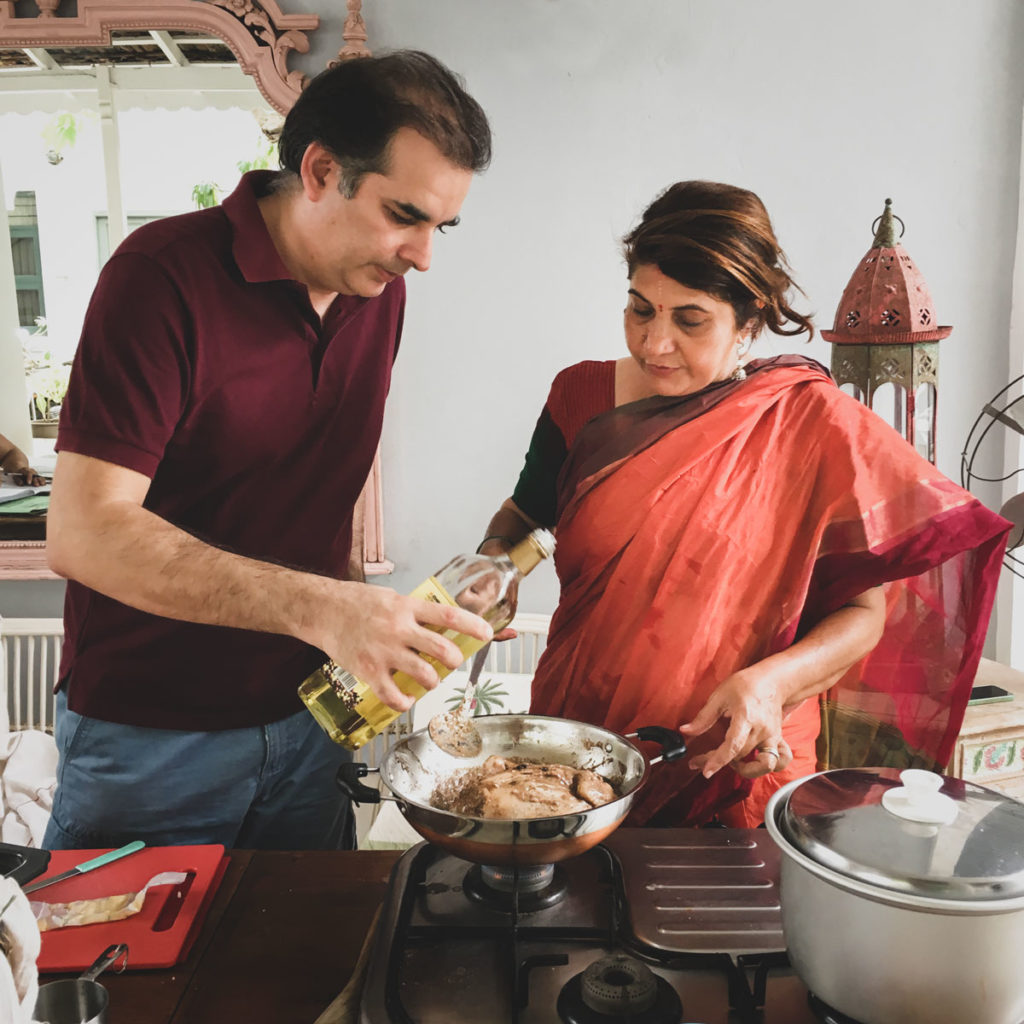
<point x="545" y="540"/>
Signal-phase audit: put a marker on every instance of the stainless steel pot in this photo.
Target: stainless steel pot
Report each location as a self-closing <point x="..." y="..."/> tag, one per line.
<point x="903" y="895"/>
<point x="414" y="767"/>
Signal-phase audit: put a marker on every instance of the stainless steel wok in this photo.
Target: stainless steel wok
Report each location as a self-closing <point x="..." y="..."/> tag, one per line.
<point x="414" y="767"/>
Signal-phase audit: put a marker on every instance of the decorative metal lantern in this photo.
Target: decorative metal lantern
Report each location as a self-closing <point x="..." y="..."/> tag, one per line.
<point x="885" y="333"/>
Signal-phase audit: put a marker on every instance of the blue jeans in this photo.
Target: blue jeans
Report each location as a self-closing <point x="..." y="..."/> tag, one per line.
<point x="268" y="787"/>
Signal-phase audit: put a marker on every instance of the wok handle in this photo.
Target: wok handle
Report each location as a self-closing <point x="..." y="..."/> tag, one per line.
<point x="673" y="746"/>
<point x="348" y="782"/>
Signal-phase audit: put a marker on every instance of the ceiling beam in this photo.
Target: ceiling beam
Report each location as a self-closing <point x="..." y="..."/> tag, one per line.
<point x="40" y="58"/>
<point x="180" y="40"/>
<point x="200" y="78"/>
<point x="170" y="48"/>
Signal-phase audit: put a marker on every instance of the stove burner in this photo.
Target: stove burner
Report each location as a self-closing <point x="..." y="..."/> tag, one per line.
<point x="825" y="1013"/>
<point x="619" y="983"/>
<point x="618" y="988"/>
<point x="527" y="888"/>
<point x="529" y="878"/>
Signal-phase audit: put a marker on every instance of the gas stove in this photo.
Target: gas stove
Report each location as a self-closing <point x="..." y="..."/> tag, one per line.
<point x="654" y="926"/>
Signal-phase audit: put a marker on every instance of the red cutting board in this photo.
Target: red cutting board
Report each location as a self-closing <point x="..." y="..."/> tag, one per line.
<point x="160" y="934"/>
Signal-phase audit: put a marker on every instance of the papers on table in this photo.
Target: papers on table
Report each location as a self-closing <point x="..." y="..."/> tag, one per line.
<point x="12" y="492"/>
<point x="23" y="501"/>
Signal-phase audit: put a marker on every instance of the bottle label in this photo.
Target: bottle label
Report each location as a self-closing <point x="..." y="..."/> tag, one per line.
<point x="431" y="590"/>
<point x="348" y="709"/>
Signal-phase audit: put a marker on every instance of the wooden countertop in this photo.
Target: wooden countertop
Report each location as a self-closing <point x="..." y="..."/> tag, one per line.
<point x="280" y="941"/>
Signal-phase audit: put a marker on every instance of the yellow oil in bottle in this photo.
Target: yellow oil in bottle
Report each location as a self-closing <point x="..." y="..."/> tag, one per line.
<point x="349" y="711"/>
<point x="353" y="720"/>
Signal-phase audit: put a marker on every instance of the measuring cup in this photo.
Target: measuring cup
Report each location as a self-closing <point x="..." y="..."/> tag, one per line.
<point x="80" y="1000"/>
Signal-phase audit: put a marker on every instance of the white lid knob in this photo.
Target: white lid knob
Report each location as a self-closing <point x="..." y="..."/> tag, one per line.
<point x="919" y="799"/>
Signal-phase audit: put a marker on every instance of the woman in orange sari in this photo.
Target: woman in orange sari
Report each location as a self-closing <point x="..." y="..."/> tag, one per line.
<point x="737" y="539"/>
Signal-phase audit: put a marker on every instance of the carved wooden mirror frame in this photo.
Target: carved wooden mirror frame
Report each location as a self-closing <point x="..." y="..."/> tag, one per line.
<point x="260" y="35"/>
<point x="262" y="38"/>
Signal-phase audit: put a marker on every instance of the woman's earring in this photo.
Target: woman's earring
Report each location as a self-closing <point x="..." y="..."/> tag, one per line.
<point x="742" y="348"/>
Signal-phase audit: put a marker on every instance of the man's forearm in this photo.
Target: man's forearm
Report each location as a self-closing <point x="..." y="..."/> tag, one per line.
<point x="100" y="533"/>
<point x="140" y="559"/>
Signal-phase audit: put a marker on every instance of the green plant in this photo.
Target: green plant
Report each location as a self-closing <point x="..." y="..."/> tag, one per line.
<point x="61" y="132"/>
<point x="48" y="384"/>
<point x="205" y="194"/>
<point x="489" y="698"/>
<point x="266" y="153"/>
<point x="35" y="347"/>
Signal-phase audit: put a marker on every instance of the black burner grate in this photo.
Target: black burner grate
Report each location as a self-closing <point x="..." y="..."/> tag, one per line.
<point x="509" y="928"/>
<point x="444" y="957"/>
<point x="515" y="897"/>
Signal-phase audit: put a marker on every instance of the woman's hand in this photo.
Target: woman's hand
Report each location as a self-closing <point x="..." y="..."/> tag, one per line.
<point x="752" y="703"/>
<point x="507" y="527"/>
<point x="756" y="698"/>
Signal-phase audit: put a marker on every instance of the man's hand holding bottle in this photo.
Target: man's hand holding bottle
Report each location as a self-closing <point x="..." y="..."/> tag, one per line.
<point x="386" y="632"/>
<point x="377" y="667"/>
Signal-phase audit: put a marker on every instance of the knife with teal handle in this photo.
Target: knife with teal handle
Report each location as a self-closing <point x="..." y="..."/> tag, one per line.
<point x="87" y="865"/>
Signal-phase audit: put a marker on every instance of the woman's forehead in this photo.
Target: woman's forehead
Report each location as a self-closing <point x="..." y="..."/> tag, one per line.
<point x="660" y="289"/>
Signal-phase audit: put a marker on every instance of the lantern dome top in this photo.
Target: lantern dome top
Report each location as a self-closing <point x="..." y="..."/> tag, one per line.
<point x="887" y="301"/>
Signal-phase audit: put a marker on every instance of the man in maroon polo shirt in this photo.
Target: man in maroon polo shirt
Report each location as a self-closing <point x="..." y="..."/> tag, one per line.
<point x="225" y="405"/>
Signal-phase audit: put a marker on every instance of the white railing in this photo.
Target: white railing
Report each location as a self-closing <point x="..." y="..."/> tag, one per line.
<point x="523" y="653"/>
<point x="29" y="667"/>
<point x="30" y="660"/>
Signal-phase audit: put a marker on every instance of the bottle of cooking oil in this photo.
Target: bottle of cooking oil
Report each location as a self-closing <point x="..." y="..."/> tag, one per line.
<point x="351" y="713"/>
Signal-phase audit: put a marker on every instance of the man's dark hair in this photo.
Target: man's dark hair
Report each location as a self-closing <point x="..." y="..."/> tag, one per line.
<point x="355" y="108"/>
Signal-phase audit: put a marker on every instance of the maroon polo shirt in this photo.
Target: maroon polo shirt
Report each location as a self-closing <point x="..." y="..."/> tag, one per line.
<point x="203" y="365"/>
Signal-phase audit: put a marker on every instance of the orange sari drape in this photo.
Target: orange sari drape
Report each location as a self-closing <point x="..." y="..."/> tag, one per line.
<point x="696" y="538"/>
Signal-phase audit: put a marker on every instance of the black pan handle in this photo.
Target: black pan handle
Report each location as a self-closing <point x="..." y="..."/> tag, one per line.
<point x="673" y="746"/>
<point x="348" y="782"/>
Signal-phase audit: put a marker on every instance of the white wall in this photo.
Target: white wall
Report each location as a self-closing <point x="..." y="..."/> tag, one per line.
<point x="823" y="109"/>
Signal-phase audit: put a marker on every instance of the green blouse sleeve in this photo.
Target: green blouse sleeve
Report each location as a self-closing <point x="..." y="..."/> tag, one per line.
<point x="536" y="492"/>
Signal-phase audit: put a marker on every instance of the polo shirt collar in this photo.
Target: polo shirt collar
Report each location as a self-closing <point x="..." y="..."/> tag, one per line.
<point x="253" y="248"/>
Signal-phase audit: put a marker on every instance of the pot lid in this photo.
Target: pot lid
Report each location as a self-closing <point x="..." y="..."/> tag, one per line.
<point x="911" y="832"/>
